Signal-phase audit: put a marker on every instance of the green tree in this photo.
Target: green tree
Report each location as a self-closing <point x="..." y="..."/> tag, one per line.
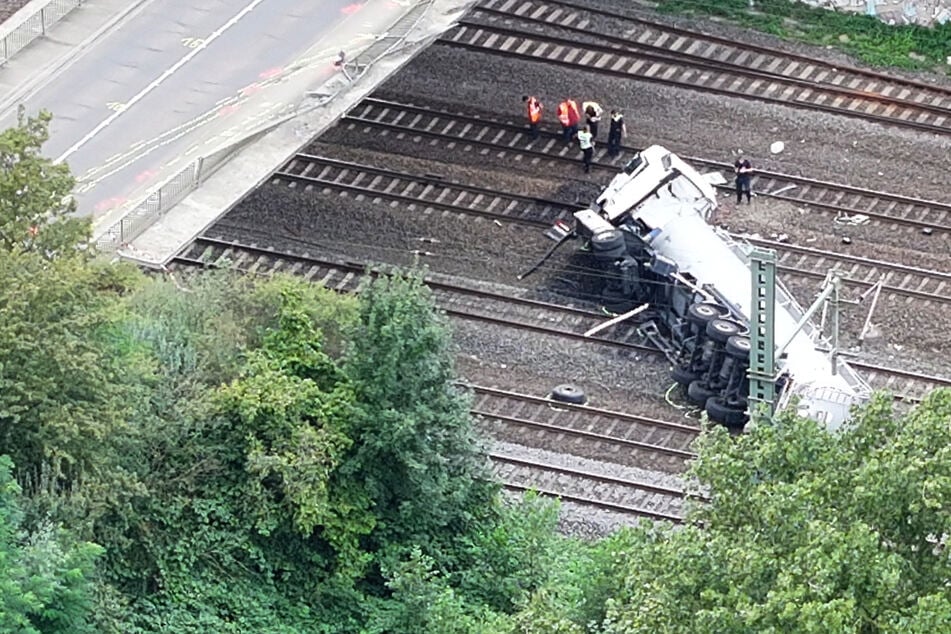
<point x="242" y="527"/>
<point x="44" y="576"/>
<point x="423" y="601"/>
<point x="414" y="450"/>
<point x="36" y="204"/>
<point x="805" y="531"/>
<point x="66" y="372"/>
<point x="292" y="404"/>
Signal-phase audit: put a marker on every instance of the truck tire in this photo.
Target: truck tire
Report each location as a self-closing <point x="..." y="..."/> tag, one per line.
<point x="722" y="412"/>
<point x="701" y="314"/>
<point x="738" y="347"/>
<point x="720" y="330"/>
<point x="568" y="393"/>
<point x="698" y="393"/>
<point x="608" y="245"/>
<point x="682" y="375"/>
<point x="614" y="301"/>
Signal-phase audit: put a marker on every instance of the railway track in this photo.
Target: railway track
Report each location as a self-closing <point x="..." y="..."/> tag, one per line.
<point x="609" y="493"/>
<point x="509" y="141"/>
<point x="573" y="36"/>
<point x="567" y="322"/>
<point x="898" y="280"/>
<point x="598" y="434"/>
<point x="899" y="382"/>
<point x="745" y="55"/>
<point x="434" y="195"/>
<point x="603" y="435"/>
<point x="464" y="302"/>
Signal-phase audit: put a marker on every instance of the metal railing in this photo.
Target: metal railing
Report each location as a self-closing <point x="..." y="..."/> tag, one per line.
<point x="172" y="191"/>
<point x="19" y="31"/>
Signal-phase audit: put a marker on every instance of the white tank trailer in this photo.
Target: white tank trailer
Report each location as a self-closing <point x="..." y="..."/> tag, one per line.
<point x="649" y="234"/>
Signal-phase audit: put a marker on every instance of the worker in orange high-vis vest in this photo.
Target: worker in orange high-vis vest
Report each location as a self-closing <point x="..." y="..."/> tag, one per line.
<point x="569" y="116"/>
<point x="534" y="107"/>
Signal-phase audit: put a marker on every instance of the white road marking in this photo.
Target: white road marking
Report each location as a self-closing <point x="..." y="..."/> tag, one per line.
<point x="168" y="73"/>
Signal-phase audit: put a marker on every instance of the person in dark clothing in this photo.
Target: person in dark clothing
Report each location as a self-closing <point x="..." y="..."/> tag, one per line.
<point x="744" y="173"/>
<point x="615" y="133"/>
<point x="592" y="116"/>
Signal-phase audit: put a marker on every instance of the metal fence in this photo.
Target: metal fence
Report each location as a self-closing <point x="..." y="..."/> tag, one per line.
<point x="17" y="33"/>
<point x="170" y="193"/>
<point x="175" y="189"/>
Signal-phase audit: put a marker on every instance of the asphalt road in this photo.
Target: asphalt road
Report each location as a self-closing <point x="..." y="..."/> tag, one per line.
<point x="177" y="72"/>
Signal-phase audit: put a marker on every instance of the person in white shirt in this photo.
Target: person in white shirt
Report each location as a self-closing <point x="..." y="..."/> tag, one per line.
<point x="586" y="142"/>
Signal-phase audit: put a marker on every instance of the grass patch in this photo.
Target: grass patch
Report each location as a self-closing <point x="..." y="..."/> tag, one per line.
<point x="865" y="37"/>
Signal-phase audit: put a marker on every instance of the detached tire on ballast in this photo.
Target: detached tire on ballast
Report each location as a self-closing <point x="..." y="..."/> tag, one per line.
<point x="568" y="393"/>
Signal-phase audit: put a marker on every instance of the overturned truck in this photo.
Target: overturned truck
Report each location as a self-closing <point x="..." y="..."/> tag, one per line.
<point x="649" y="235"/>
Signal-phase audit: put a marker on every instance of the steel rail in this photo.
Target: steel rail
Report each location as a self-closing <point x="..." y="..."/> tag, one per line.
<point x="595" y="477"/>
<point x="567" y="208"/>
<point x="905" y="374"/>
<point x="585" y="409"/>
<point x="271" y="253"/>
<point x="535" y="328"/>
<point x="755" y="47"/>
<point x="577" y="499"/>
<point x="585" y="50"/>
<point x="783" y="247"/>
<point x="591" y="475"/>
<point x="697" y="61"/>
<point x="615" y="441"/>
<point x="780" y="180"/>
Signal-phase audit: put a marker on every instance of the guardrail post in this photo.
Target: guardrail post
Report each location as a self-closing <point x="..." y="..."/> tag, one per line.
<point x="43" y="22"/>
<point x="197" y="174"/>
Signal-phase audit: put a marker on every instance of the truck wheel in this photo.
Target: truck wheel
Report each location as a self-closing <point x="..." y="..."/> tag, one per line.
<point x="698" y="393"/>
<point x="682" y="375"/>
<point x="721" y="412"/>
<point x="720" y="330"/>
<point x="700" y="314"/>
<point x="616" y="302"/>
<point x="738" y="347"/>
<point x="568" y="393"/>
<point x="608" y="245"/>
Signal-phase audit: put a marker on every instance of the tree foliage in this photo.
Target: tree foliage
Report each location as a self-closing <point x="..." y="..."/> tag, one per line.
<point x="45" y="581"/>
<point x="806" y="532"/>
<point x="36" y="204"/>
<point x="414" y="449"/>
<point x="63" y="369"/>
